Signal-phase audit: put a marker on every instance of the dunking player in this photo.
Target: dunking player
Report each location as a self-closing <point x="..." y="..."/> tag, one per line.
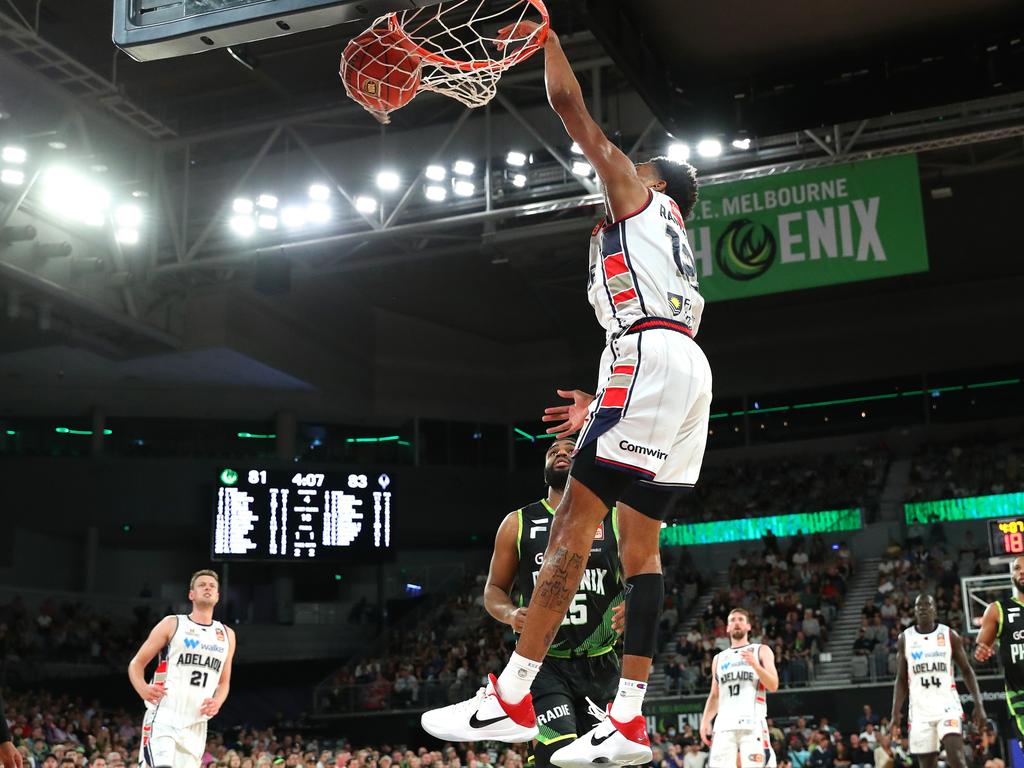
<point x="581" y="663"/>
<point x="1003" y="622"/>
<point x="741" y="676"/>
<point x="936" y="716"/>
<point x="191" y="682"/>
<point x="642" y="438"/>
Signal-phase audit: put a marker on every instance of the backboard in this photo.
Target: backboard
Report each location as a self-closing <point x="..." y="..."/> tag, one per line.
<point x="979" y="591"/>
<point x="160" y="29"/>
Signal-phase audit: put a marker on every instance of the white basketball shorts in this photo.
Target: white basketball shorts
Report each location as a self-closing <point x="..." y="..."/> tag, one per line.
<point x="650" y="416"/>
<point x="926" y="735"/>
<point x="752" y="747"/>
<point x="165" y="746"/>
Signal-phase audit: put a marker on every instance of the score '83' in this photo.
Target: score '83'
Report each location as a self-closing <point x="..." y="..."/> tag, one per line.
<point x="357" y="481"/>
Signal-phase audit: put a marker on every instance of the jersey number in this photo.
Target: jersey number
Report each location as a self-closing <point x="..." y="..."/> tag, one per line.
<point x="931" y="682"/>
<point x="198" y="678"/>
<point x="686" y="269"/>
<point x="734" y="689"/>
<point x="577" y="611"/>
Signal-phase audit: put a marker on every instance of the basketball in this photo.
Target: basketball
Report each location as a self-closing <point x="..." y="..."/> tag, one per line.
<point x="378" y="71"/>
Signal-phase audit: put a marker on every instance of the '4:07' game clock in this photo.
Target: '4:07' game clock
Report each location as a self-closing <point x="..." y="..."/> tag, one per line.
<point x="1006" y="537"/>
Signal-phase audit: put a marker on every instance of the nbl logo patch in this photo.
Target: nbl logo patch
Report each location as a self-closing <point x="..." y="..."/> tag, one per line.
<point x="942" y="639"/>
<point x="599" y="534"/>
<point x="220" y="634"/>
<point x="756" y="758"/>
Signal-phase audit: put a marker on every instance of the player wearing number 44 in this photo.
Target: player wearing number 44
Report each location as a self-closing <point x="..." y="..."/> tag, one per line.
<point x="191" y="681"/>
<point x="924" y="670"/>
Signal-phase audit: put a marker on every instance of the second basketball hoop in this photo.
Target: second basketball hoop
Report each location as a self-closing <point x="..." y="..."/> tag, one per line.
<point x="452" y="49"/>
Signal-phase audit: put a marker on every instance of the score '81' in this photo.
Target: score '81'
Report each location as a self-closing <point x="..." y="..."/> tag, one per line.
<point x="357" y="481"/>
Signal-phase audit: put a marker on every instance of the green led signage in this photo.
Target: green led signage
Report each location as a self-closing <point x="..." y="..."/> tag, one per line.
<point x="971" y="508"/>
<point x="753" y="528"/>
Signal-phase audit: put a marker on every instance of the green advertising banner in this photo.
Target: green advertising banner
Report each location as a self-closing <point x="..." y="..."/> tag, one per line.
<point x="753" y="528"/>
<point x="805" y="229"/>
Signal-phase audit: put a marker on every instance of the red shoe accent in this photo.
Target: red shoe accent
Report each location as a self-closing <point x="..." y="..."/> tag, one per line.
<point x="521" y="713"/>
<point x="635" y="730"/>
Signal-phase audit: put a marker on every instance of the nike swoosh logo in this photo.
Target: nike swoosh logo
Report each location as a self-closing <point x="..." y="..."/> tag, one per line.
<point x="476" y="722"/>
<point x="597" y="742"/>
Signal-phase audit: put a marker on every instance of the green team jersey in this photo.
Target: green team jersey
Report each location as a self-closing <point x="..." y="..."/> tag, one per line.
<point x="587" y="627"/>
<point x="1011" y="655"/>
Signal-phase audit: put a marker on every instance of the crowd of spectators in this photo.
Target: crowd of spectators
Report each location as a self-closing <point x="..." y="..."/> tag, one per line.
<point x="793" y="592"/>
<point x="70" y="632"/>
<point x="931" y="568"/>
<point x="968" y="469"/>
<point x="59" y="731"/>
<point x="786" y="486"/>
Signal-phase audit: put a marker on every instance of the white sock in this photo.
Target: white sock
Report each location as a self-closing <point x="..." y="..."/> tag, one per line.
<point x="629" y="701"/>
<point x="516" y="678"/>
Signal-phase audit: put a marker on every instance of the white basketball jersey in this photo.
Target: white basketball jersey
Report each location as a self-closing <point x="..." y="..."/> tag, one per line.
<point x="741" y="696"/>
<point x="190" y="667"/>
<point x="642" y="266"/>
<point x="933" y="694"/>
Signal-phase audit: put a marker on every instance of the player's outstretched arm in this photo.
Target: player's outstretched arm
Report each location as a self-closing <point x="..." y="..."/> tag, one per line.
<point x="158" y="638"/>
<point x="502" y="575"/>
<point x="899" y="691"/>
<point x="711" y="706"/>
<point x="961" y="660"/>
<point x="626" y="193"/>
<point x="211" y="706"/>
<point x="989" y="632"/>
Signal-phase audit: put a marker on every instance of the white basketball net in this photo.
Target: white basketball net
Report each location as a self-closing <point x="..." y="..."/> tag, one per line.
<point x="458" y="45"/>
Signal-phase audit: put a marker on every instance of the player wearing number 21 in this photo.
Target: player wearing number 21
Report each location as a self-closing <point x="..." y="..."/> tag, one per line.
<point x="191" y="681"/>
<point x="924" y="670"/>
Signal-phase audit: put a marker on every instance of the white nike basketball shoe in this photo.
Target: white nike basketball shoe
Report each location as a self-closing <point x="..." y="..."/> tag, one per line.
<point x="484" y="717"/>
<point x="607" y="743"/>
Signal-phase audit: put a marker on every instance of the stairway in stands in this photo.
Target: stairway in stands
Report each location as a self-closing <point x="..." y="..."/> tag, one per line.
<point x="656" y="683"/>
<point x="844" y="629"/>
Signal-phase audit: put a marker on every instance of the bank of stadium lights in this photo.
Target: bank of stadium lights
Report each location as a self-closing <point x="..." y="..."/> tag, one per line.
<point x="267" y="221"/>
<point x="319" y="193"/>
<point x="741" y="144"/>
<point x="435" y="193"/>
<point x="515" y="158"/>
<point x="463" y="168"/>
<point x="267" y="202"/>
<point x="366" y="205"/>
<point x="57" y="145"/>
<point x="436" y="173"/>
<point x="318" y="213"/>
<point x="464" y="188"/>
<point x="128" y="219"/>
<point x="293" y="217"/>
<point x="13" y="155"/>
<point x="242" y="206"/>
<point x="12" y="177"/>
<point x="678" y="152"/>
<point x="72" y="196"/>
<point x="581" y="168"/>
<point x="243" y="226"/>
<point x="709" y="148"/>
<point x="576" y="149"/>
<point x="519" y="180"/>
<point x="388" y="181"/>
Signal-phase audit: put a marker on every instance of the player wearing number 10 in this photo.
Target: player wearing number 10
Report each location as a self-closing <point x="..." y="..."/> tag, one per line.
<point x="191" y="681"/>
<point x="741" y="677"/>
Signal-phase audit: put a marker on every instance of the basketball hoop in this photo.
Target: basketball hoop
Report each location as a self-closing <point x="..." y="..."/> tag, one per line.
<point x="451" y="49"/>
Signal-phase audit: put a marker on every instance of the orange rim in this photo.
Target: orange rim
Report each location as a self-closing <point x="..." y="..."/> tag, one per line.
<point x="430" y="57"/>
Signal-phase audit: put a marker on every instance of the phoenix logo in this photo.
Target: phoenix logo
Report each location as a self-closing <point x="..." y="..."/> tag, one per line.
<point x="745" y="250"/>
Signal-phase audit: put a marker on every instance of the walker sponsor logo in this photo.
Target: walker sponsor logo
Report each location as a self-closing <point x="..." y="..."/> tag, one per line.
<point x="190" y="643"/>
<point x="642" y="450"/>
<point x="809" y="228"/>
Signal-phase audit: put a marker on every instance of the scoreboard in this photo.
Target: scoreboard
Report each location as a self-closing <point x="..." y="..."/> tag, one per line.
<point x="283" y="515"/>
<point x="1006" y="537"/>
